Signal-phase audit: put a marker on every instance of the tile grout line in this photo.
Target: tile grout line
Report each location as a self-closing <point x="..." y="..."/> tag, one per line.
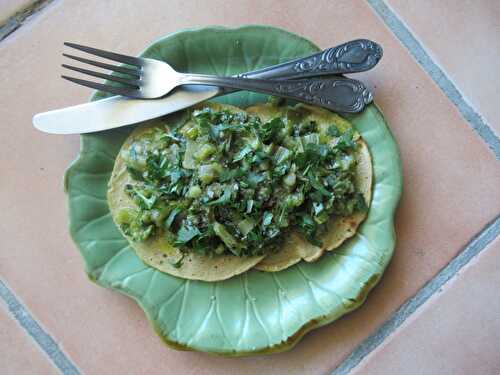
<point x="471" y="250"/>
<point x="65" y="365"/>
<point x="406" y="37"/>
<point x="16" y="21"/>
<point x="477" y="244"/>
<point x="46" y="343"/>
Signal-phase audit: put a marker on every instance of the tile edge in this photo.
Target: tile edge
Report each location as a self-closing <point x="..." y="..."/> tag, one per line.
<point x="45" y="342"/>
<point x="401" y="31"/>
<point x="469" y="252"/>
<point x="15" y="21"/>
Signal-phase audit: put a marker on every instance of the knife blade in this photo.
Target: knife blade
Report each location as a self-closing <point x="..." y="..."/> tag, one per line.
<point x="118" y="111"/>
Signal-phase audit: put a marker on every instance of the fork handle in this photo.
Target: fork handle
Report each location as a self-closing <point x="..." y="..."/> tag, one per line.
<point x="350" y="57"/>
<point x="336" y="93"/>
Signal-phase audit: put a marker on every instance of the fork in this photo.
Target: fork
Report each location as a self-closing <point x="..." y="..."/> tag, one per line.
<point x="149" y="79"/>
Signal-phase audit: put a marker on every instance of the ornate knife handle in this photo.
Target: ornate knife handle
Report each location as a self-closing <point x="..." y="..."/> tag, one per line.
<point x="336" y="93"/>
<point x="351" y="57"/>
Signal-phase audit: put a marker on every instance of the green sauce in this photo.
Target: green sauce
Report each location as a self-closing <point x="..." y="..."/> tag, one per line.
<point x="227" y="183"/>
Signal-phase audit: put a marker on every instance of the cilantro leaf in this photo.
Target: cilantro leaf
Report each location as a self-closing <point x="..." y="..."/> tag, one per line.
<point x="224" y="198"/>
<point x="346" y="141"/>
<point x="269" y="129"/>
<point x="333" y="131"/>
<point x="186" y="233"/>
<point x="316" y="184"/>
<point x="253" y="179"/>
<point x="135" y="173"/>
<point x="308" y="228"/>
<point x="171" y="217"/>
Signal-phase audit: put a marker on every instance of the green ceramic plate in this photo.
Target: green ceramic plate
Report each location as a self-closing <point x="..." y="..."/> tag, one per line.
<point x="256" y="312"/>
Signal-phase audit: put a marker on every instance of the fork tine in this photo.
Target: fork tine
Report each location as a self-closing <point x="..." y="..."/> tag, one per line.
<point x="108" y="55"/>
<point x="99" y="86"/>
<point x="131" y="82"/>
<point x="120" y="69"/>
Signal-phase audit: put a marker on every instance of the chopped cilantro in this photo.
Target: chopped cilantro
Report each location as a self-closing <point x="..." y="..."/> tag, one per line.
<point x="333" y="131"/>
<point x="229" y="183"/>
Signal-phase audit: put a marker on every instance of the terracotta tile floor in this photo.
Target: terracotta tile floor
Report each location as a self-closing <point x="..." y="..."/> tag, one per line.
<point x="455" y="333"/>
<point x="451" y="181"/>
<point x="462" y="37"/>
<point x="19" y="353"/>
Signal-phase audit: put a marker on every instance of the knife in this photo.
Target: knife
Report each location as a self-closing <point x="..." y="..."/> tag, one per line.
<point x="351" y="57"/>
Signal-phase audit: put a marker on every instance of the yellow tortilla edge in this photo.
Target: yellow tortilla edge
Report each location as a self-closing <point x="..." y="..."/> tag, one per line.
<point x="156" y="252"/>
<point x="296" y="248"/>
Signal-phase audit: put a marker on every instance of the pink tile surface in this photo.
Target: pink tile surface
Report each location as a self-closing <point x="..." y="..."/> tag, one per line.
<point x="19" y="354"/>
<point x="463" y="37"/>
<point x="442" y="208"/>
<point x="456" y="332"/>
<point x="9" y="7"/>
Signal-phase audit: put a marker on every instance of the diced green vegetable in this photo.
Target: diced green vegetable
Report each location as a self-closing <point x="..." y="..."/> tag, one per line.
<point x="232" y="244"/>
<point x="191" y="132"/>
<point x="281" y="155"/>
<point x="290" y="179"/>
<point x="189" y="161"/>
<point x="206" y="174"/>
<point x="242" y="153"/>
<point x="204" y="152"/>
<point x="295" y="200"/>
<point x="311" y="138"/>
<point x="245" y="226"/>
<point x="267" y="218"/>
<point x="194" y="191"/>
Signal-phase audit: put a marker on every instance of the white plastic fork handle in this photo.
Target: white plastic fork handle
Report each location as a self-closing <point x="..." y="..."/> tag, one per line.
<point x="118" y="111"/>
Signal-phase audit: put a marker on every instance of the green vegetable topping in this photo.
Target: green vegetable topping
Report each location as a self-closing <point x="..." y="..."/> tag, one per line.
<point x="229" y="183"/>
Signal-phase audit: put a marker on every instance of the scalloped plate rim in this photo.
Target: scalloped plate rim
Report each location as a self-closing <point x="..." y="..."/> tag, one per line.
<point x="306" y="327"/>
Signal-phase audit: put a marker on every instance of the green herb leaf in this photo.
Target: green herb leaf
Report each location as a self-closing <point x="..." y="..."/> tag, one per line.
<point x="186" y="233"/>
<point x="346" y="141"/>
<point x="316" y="184"/>
<point x="269" y="129"/>
<point x="224" y="198"/>
<point x="171" y="217"/>
<point x="308" y="228"/>
<point x="135" y="173"/>
<point x="232" y="244"/>
<point x="333" y="131"/>
<point x="253" y="179"/>
<point x="178" y="263"/>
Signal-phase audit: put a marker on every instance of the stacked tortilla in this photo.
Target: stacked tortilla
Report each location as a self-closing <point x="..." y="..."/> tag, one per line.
<point x="158" y="253"/>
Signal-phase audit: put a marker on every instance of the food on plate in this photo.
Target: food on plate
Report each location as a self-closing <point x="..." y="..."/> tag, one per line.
<point x="346" y="181"/>
<point x="226" y="190"/>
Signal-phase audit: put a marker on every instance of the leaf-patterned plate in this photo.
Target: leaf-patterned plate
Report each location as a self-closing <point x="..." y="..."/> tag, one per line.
<point x="256" y="312"/>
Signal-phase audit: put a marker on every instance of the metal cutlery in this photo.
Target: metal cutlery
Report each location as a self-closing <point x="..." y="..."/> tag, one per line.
<point x="151" y="79"/>
<point x="351" y="57"/>
<point x="118" y="111"/>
